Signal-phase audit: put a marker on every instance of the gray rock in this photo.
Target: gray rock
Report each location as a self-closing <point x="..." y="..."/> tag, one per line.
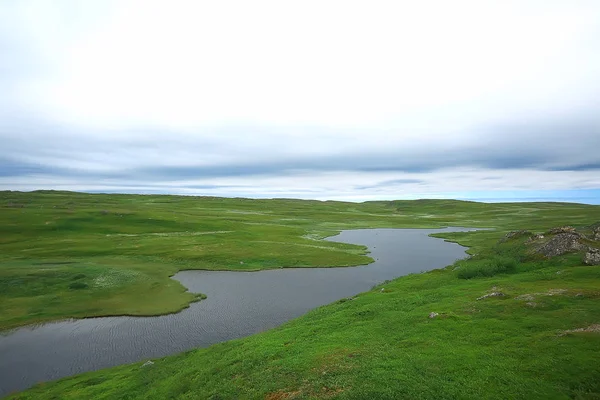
<point x="493" y="294"/>
<point x="562" y="229"/>
<point x="592" y="257"/>
<point x="561" y="244"/>
<point x="534" y="238"/>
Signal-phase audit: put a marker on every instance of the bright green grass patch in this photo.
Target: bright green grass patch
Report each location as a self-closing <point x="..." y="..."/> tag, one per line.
<point x="33" y="292"/>
<point x="487" y="267"/>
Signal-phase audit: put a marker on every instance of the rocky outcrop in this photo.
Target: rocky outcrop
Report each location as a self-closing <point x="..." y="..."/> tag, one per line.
<point x="592" y="257"/>
<point x="562" y="229"/>
<point x="515" y="235"/>
<point x="596" y="234"/>
<point x="562" y="240"/>
<point x="562" y="243"/>
<point x="534" y="238"/>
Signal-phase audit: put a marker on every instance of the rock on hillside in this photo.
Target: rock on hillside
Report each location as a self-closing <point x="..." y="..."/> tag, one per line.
<point x="562" y="243"/>
<point x="592" y="257"/>
<point x="592" y="232"/>
<point x="533" y="238"/>
<point x="596" y="234"/>
<point x="515" y="235"/>
<point x="562" y="229"/>
<point x="561" y="240"/>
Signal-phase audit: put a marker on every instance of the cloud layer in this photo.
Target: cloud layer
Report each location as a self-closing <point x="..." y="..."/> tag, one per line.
<point x="319" y="100"/>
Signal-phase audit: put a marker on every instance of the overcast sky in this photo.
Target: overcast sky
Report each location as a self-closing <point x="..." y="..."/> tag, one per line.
<point x="310" y="99"/>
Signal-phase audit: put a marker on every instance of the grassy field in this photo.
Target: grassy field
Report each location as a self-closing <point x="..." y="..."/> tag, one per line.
<point x="75" y="255"/>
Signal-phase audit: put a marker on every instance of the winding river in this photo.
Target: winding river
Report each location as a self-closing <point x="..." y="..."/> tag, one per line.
<point x="238" y="304"/>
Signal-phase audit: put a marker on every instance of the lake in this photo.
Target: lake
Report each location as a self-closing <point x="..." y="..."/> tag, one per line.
<point x="238" y="304"/>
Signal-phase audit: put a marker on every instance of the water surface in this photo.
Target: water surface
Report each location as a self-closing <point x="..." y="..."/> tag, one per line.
<point x="238" y="304"/>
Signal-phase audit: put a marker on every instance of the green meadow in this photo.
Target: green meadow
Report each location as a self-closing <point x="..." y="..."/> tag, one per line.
<point x="73" y="255"/>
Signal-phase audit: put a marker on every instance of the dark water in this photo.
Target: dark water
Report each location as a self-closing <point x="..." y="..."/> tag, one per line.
<point x="238" y="304"/>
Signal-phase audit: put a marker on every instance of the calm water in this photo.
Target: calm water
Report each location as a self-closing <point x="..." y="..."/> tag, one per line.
<point x="239" y="304"/>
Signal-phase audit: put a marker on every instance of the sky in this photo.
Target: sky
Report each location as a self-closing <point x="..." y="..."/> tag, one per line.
<point x="341" y="100"/>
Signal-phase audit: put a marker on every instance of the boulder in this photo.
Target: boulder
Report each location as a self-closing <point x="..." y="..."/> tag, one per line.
<point x="592" y="257"/>
<point x="561" y="244"/>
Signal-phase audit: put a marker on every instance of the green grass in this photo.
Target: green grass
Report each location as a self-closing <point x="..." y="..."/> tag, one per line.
<point x="118" y="250"/>
<point x="489" y="267"/>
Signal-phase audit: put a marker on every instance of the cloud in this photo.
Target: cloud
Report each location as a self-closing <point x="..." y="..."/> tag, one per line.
<point x="390" y="183"/>
<point x="549" y="145"/>
<point x="384" y="100"/>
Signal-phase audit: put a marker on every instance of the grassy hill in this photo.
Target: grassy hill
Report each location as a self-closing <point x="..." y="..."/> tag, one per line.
<point x="73" y="255"/>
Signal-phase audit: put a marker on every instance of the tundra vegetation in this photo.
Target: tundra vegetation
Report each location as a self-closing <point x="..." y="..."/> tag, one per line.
<point x="520" y="318"/>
